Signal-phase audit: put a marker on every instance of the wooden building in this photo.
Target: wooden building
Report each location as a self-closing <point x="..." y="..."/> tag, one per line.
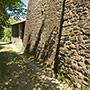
<point x="18" y="31"/>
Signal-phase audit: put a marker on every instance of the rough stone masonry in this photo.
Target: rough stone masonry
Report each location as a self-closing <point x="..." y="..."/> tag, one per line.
<point x="60" y="29"/>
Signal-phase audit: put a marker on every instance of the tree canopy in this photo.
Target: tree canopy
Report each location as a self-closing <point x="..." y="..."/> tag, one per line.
<point x="15" y="8"/>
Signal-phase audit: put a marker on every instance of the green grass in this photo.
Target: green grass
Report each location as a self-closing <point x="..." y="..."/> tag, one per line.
<point x="4" y="68"/>
<point x="4" y="60"/>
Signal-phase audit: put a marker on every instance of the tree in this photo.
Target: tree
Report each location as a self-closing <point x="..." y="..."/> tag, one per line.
<point x="15" y="8"/>
<point x="7" y="30"/>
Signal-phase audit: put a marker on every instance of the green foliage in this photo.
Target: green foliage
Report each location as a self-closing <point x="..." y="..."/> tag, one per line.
<point x="13" y="20"/>
<point x="15" y="8"/>
<point x="6" y="33"/>
<point x="1" y="34"/>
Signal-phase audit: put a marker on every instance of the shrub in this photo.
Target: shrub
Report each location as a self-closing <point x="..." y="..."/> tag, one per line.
<point x="7" y="34"/>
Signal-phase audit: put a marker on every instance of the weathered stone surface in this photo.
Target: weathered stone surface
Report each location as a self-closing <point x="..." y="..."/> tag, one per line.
<point x="42" y="31"/>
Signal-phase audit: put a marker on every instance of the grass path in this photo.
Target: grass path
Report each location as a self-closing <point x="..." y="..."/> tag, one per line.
<point x="19" y="73"/>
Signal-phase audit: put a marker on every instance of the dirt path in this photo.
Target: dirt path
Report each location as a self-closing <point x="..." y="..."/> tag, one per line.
<point x="22" y="74"/>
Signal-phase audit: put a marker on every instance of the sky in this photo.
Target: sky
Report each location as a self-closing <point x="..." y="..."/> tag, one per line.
<point x="25" y="2"/>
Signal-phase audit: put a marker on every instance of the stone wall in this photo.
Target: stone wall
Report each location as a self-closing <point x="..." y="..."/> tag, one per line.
<point x="74" y="54"/>
<point x="46" y="30"/>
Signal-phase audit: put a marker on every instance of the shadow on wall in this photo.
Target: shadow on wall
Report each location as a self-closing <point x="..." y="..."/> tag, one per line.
<point x="28" y="43"/>
<point x="48" y="48"/>
<point x="59" y="39"/>
<point x="34" y="51"/>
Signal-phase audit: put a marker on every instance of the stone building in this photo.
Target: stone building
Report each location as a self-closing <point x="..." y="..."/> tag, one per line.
<point x="18" y="31"/>
<point x="58" y="31"/>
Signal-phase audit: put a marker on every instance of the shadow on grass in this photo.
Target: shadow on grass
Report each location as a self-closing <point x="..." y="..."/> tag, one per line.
<point x="22" y="75"/>
<point x="3" y="66"/>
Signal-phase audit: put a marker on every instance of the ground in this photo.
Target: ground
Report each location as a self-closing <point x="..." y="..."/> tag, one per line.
<point x="19" y="73"/>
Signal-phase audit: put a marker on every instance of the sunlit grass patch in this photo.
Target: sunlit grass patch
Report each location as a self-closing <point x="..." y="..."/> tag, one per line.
<point x="3" y="66"/>
<point x="19" y="46"/>
<point x="6" y="48"/>
<point x="22" y="63"/>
